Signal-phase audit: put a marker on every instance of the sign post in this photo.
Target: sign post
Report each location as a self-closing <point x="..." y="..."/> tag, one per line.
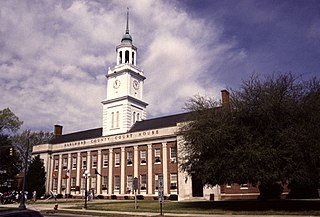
<point x="160" y="193"/>
<point x="135" y="187"/>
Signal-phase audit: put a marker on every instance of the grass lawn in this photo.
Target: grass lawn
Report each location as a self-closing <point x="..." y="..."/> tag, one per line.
<point x="285" y="207"/>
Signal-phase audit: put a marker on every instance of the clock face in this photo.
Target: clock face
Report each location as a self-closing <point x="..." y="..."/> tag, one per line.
<point x="116" y="84"/>
<point x="136" y="84"/>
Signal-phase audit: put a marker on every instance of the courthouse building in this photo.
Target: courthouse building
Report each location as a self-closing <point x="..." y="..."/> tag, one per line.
<point x="127" y="146"/>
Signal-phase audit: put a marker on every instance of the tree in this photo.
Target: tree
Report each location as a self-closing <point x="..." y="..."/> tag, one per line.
<point x="269" y="134"/>
<point x="9" y="164"/>
<point x="9" y="122"/>
<point x="36" y="176"/>
<point x="24" y="142"/>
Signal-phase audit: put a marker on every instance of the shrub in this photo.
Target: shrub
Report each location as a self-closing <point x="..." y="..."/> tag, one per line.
<point x="100" y="196"/>
<point x="126" y="197"/>
<point x="173" y="197"/>
<point x="59" y="196"/>
<point x="140" y="197"/>
<point x="113" y="197"/>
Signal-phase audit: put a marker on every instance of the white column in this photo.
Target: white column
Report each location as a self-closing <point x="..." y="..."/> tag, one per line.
<point x="110" y="177"/>
<point x="99" y="170"/>
<point x="88" y="169"/>
<point x="59" y="174"/>
<point x="122" y="171"/>
<point x="49" y="174"/>
<point x="165" y="168"/>
<point x="79" y="174"/>
<point x="135" y="161"/>
<point x="69" y="169"/>
<point x="150" y="164"/>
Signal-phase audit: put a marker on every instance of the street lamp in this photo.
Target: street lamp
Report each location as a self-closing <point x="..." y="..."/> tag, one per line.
<point x="22" y="205"/>
<point x="85" y="176"/>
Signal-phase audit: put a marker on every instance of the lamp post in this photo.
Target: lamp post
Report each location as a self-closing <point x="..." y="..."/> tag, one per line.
<point x="22" y="205"/>
<point x="85" y="176"/>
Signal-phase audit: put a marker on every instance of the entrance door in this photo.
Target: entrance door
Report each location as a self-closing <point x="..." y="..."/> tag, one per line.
<point x="197" y="187"/>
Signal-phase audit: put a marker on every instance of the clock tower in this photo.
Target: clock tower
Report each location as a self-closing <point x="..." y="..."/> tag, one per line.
<point x="124" y="104"/>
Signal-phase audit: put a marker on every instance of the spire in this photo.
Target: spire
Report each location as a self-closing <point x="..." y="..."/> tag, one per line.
<point x="127" y="29"/>
<point x="126" y="38"/>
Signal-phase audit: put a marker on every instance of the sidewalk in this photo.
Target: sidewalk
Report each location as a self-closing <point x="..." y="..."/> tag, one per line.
<point x="48" y="208"/>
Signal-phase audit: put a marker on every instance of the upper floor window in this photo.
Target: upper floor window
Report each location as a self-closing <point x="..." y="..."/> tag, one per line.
<point x="74" y="163"/>
<point x="127" y="56"/>
<point x="117" y="119"/>
<point x="105" y="160"/>
<point x="84" y="162"/>
<point x="56" y="164"/>
<point x="173" y="154"/>
<point x="64" y="163"/>
<point x="157" y="155"/>
<point x="117" y="159"/>
<point x="94" y="161"/>
<point x="143" y="157"/>
<point x="129" y="158"/>
<point x="112" y="119"/>
<point x="134" y="117"/>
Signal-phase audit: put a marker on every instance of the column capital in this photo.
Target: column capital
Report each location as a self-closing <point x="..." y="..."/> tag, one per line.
<point x="164" y="144"/>
<point x="149" y="146"/>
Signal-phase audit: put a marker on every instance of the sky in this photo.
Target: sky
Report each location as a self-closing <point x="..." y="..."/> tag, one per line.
<point x="54" y="54"/>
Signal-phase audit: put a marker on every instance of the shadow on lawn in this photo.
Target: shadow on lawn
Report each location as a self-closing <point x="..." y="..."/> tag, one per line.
<point x="253" y="205"/>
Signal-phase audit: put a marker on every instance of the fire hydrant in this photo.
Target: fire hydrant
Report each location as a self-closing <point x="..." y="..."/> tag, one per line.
<point x="55" y="207"/>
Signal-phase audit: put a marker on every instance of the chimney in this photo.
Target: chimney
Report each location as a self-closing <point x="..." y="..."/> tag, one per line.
<point x="57" y="130"/>
<point x="225" y="99"/>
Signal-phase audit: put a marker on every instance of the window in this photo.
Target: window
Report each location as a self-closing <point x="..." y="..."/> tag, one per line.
<point x="173" y="154"/>
<point x="129" y="184"/>
<point x="134" y="117"/>
<point x="127" y="56"/>
<point x="94" y="161"/>
<point x="117" y="159"/>
<point x="116" y="183"/>
<point x="82" y="183"/>
<point x="117" y="119"/>
<point x="105" y="160"/>
<point x="157" y="155"/>
<point x="129" y="158"/>
<point x="55" y="184"/>
<point x="74" y="163"/>
<point x="64" y="163"/>
<point x="157" y="178"/>
<point x="84" y="162"/>
<point x="93" y="182"/>
<point x="56" y="164"/>
<point x="120" y="57"/>
<point x="173" y="181"/>
<point x="112" y="119"/>
<point x="138" y="117"/>
<point x="143" y="157"/>
<point x="104" y="182"/>
<point x="132" y="58"/>
<point x="73" y="182"/>
<point x="243" y="186"/>
<point x="143" y="182"/>
<point x="63" y="183"/>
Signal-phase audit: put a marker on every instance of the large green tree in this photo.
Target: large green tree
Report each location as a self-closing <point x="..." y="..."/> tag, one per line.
<point x="268" y="134"/>
<point x="9" y="164"/>
<point x="36" y="177"/>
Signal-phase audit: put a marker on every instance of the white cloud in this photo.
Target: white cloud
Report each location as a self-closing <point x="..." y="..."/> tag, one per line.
<point x="54" y="55"/>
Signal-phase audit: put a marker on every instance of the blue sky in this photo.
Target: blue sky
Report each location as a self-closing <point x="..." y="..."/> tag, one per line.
<point x="54" y="54"/>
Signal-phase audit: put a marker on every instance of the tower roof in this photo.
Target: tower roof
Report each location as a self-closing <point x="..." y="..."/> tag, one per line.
<point x="126" y="38"/>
